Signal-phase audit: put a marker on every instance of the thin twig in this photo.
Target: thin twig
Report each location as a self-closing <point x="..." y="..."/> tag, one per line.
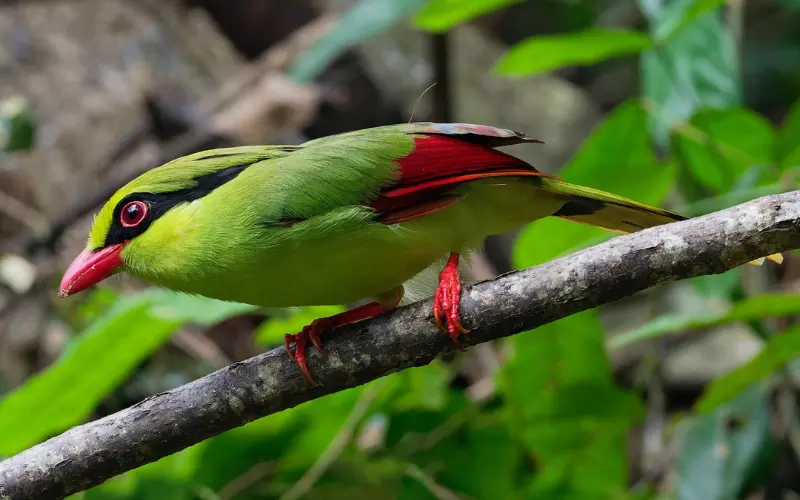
<point x="436" y="489"/>
<point x="410" y="444"/>
<point x="194" y="343"/>
<point x="247" y="480"/>
<point x="19" y="211"/>
<point x="202" y="136"/>
<point x="442" y="109"/>
<point x="335" y="448"/>
<point x="736" y="25"/>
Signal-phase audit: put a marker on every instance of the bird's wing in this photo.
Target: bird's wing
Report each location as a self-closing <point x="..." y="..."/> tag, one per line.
<point x="444" y="156"/>
<point x="399" y="172"/>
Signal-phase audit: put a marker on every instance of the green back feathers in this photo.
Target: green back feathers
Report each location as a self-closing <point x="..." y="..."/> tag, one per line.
<point x="344" y="170"/>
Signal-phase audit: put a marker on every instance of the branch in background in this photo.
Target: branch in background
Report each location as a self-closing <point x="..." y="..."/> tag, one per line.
<point x="254" y="103"/>
<point x="166" y="423"/>
<point x="16" y="209"/>
<point x="442" y="108"/>
<point x="87" y="203"/>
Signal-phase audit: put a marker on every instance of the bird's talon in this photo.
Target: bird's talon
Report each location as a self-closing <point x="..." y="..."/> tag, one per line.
<point x="300" y="344"/>
<point x="437" y="314"/>
<point x="310" y="333"/>
<point x="458" y="328"/>
<point x="437" y="310"/>
<point x="446" y="300"/>
<point x="319" y="326"/>
<point x="304" y="369"/>
<point x="287" y="343"/>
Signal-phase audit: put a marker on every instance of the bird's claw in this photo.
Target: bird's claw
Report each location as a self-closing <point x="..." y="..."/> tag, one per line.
<point x="310" y="332"/>
<point x="446" y="300"/>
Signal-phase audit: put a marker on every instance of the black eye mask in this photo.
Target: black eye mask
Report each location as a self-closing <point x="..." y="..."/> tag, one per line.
<point x="159" y="203"/>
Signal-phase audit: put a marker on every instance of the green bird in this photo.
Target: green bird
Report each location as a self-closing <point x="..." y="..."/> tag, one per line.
<point x="337" y="219"/>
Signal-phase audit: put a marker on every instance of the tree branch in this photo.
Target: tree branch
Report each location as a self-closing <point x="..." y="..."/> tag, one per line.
<point x="166" y="423"/>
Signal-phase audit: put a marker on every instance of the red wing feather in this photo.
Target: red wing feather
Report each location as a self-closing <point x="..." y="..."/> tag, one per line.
<point x="437" y="164"/>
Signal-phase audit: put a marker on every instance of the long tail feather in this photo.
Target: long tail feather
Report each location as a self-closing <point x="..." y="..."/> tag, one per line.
<point x="615" y="213"/>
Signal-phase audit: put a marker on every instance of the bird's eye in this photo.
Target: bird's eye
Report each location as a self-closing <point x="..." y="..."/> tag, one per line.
<point x="133" y="213"/>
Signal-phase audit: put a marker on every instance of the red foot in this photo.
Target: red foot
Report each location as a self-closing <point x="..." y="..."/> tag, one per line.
<point x="445" y="302"/>
<point x="323" y="325"/>
<point x="310" y="332"/>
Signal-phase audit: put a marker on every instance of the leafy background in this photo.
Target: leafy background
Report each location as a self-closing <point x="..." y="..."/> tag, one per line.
<point x="684" y="392"/>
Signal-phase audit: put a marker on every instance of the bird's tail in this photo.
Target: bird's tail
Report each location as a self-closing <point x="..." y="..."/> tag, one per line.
<point x="614" y="213"/>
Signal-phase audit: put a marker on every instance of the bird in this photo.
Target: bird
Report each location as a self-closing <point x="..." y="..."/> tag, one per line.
<point x="335" y="220"/>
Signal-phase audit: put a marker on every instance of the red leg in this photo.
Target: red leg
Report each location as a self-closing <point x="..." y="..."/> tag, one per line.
<point x="445" y="302"/>
<point x="319" y="326"/>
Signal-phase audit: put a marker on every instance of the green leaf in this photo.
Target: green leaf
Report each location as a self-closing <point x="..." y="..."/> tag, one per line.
<point x="445" y="444"/>
<point x="493" y="476"/>
<point x="722" y="145"/>
<point x="231" y="454"/>
<point x="564" y="405"/>
<point x="122" y="486"/>
<point x="17" y="125"/>
<point x="194" y="308"/>
<point x="549" y="238"/>
<point x="718" y="285"/>
<point x="696" y="68"/>
<point x="363" y="20"/>
<point x="318" y="432"/>
<point x="272" y="330"/>
<point x="681" y="15"/>
<point x="283" y="445"/>
<point x="727" y="200"/>
<point x="95" y="364"/>
<point x="422" y="388"/>
<point x="66" y="393"/>
<point x="777" y="353"/>
<point x="618" y="158"/>
<point x="441" y="15"/>
<point x="787" y="150"/>
<point x="792" y="4"/>
<point x="548" y="52"/>
<point x="754" y="308"/>
<point x="721" y="449"/>
<point x="169" y="477"/>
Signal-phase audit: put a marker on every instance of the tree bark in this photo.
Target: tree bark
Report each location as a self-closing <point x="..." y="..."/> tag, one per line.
<point x="87" y="455"/>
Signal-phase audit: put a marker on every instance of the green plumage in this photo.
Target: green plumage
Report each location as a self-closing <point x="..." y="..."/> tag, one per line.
<point x="295" y="226"/>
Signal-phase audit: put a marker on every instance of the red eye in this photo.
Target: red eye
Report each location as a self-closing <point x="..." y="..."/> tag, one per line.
<point x="133" y="214"/>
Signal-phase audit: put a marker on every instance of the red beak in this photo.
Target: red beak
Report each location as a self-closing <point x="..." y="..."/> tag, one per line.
<point x="90" y="268"/>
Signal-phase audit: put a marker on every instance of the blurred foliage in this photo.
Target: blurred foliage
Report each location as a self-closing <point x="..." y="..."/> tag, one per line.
<point x="552" y="385"/>
<point x="695" y="68"/>
<point x="777" y="353"/>
<point x="544" y="53"/>
<point x="722" y="450"/>
<point x="620" y="145"/>
<point x="366" y="18"/>
<point x="17" y="125"/>
<point x="113" y="346"/>
<point x="788" y="147"/>
<point x="557" y="424"/>
<point x="441" y="15"/>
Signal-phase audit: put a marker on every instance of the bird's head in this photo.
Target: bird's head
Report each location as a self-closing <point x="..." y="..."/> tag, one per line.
<point x="150" y="215"/>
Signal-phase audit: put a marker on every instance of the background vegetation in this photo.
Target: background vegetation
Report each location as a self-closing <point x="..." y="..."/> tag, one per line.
<point x="685" y="392"/>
